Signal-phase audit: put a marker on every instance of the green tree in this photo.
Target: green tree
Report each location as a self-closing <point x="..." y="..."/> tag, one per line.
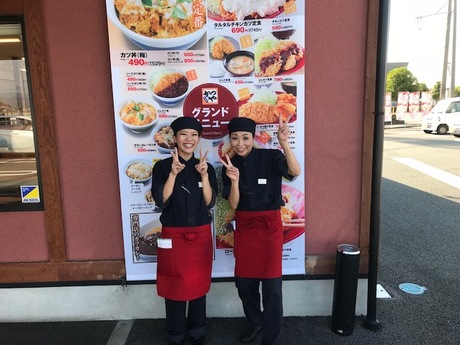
<point x="423" y="87"/>
<point x="436" y="91"/>
<point x="401" y="79"/>
<point x="457" y="91"/>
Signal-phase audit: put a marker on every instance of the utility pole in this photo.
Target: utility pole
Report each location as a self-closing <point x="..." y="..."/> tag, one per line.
<point x="454" y="48"/>
<point x="442" y="94"/>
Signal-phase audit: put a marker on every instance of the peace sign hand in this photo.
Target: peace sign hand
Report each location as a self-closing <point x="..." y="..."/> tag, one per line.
<point x="176" y="166"/>
<point x="232" y="172"/>
<point x="283" y="129"/>
<point x="202" y="166"/>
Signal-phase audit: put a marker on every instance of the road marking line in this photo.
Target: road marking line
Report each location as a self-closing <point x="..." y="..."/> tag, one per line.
<point x="429" y="170"/>
<point x="120" y="332"/>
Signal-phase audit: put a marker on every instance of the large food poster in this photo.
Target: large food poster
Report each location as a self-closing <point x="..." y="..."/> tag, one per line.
<point x="388" y="106"/>
<point x="212" y="60"/>
<point x="426" y="102"/>
<point x="402" y="105"/>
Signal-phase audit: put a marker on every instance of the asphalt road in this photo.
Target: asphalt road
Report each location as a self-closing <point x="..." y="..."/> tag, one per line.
<point x="17" y="171"/>
<point x="420" y="237"/>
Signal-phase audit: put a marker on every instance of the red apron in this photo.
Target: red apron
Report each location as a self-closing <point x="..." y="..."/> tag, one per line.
<point x="258" y="245"/>
<point x="184" y="271"/>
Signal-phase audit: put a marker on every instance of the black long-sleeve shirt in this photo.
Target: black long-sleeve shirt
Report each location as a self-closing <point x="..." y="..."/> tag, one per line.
<point x="261" y="173"/>
<point x="186" y="205"/>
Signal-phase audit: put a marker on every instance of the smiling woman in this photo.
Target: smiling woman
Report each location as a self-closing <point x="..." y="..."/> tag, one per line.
<point x="19" y="181"/>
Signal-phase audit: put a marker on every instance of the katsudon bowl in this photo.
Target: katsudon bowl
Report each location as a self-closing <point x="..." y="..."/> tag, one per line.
<point x="135" y="20"/>
<point x="138" y="115"/>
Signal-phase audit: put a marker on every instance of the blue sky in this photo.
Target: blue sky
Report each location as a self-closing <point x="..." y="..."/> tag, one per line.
<point x="417" y="32"/>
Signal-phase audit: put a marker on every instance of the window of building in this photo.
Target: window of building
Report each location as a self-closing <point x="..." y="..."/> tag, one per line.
<point x="20" y="187"/>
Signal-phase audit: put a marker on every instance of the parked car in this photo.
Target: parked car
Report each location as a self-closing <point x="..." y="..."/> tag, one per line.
<point x="17" y="141"/>
<point x="16" y="135"/>
<point x="454" y="125"/>
<point x="438" y="118"/>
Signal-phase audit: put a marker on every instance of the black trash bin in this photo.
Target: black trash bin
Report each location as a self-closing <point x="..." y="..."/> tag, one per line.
<point x="345" y="288"/>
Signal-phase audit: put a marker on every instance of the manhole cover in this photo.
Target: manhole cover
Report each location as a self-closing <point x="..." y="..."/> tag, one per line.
<point x="413" y="289"/>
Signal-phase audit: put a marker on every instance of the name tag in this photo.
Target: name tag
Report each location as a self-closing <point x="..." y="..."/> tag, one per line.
<point x="262" y="181"/>
<point x="200" y="184"/>
<point x="165" y="243"/>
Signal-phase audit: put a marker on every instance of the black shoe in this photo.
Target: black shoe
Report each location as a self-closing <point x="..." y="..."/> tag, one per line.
<point x="198" y="340"/>
<point x="249" y="336"/>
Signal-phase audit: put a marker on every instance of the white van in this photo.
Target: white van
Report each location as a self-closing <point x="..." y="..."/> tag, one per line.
<point x="438" y="119"/>
<point x="454" y="125"/>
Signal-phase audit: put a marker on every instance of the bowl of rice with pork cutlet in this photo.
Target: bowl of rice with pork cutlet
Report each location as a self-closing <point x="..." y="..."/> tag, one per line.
<point x="137" y="115"/>
<point x="159" y="24"/>
<point x="169" y="86"/>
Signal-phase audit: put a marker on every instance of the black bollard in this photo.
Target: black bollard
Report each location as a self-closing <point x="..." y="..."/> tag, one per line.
<point x="345" y="288"/>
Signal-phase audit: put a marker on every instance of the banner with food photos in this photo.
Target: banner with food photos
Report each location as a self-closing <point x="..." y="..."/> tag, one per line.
<point x="388" y="106"/>
<point x="213" y="60"/>
<point x="426" y="102"/>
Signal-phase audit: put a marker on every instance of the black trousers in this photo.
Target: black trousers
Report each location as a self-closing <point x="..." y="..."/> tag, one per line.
<point x="270" y="317"/>
<point x="180" y="321"/>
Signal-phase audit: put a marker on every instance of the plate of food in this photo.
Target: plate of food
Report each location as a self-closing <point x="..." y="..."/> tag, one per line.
<point x="292" y="213"/>
<point x="138" y="115"/>
<point x="221" y="46"/>
<point x="148" y="236"/>
<point x="138" y="170"/>
<point x="266" y="106"/>
<point x="232" y="10"/>
<point x="225" y="148"/>
<point x="142" y="22"/>
<point x="169" y="86"/>
<point x="224" y="216"/>
<point x="277" y="57"/>
<point x="163" y="137"/>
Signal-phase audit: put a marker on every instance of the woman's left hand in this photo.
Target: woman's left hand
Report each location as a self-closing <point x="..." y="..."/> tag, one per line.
<point x="283" y="129"/>
<point x="202" y="166"/>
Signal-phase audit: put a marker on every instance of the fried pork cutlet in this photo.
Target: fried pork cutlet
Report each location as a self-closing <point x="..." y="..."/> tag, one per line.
<point x="270" y="63"/>
<point x="258" y="111"/>
<point x="290" y="54"/>
<point x="284" y="110"/>
<point x="221" y="48"/>
<point x="286" y="105"/>
<point x="286" y="98"/>
<point x="283" y="57"/>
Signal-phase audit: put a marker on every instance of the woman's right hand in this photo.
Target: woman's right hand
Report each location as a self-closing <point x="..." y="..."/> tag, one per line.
<point x="176" y="166"/>
<point x="232" y="172"/>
